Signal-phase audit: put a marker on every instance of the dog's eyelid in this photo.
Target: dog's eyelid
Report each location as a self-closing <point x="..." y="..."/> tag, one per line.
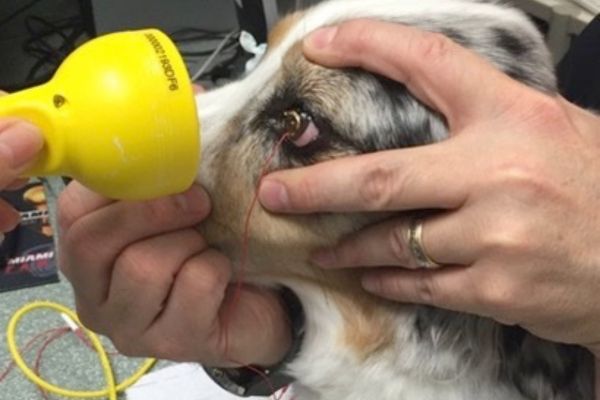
<point x="300" y="127"/>
<point x="307" y="136"/>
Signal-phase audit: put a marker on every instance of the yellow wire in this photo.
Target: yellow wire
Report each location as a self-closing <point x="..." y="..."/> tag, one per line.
<point x="111" y="389"/>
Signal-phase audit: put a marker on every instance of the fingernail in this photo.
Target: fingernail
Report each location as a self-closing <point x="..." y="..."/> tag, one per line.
<point x="194" y="201"/>
<point x="324" y="258"/>
<point x="273" y="195"/>
<point x="371" y="283"/>
<point x="321" y="38"/>
<point x="19" y="144"/>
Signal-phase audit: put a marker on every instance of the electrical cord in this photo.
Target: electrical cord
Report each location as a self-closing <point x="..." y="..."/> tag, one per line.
<point x="213" y="56"/>
<point x="230" y="46"/>
<point x="193" y="34"/>
<point x="112" y="388"/>
<point x="50" y="43"/>
<point x="19" y="11"/>
<point x="185" y="36"/>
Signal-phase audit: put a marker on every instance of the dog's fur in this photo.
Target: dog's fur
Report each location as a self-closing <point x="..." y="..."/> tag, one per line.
<point x="357" y="346"/>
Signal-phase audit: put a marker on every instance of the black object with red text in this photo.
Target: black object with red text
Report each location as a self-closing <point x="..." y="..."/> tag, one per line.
<point x="27" y="255"/>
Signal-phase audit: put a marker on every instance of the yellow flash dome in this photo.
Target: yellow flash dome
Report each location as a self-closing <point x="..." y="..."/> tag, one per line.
<point x="119" y="116"/>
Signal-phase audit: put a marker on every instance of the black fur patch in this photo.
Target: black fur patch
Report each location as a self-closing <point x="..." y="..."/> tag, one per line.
<point x="517" y="73"/>
<point x="457" y="36"/>
<point x="538" y="369"/>
<point x="509" y="42"/>
<point x="541" y="370"/>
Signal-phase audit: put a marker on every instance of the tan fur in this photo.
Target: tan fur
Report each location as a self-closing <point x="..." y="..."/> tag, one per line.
<point x="279" y="31"/>
<point x="369" y="324"/>
<point x="357" y="347"/>
<point x="235" y="162"/>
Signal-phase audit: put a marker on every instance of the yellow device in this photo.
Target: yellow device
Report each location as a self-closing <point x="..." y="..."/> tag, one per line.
<point x="119" y="116"/>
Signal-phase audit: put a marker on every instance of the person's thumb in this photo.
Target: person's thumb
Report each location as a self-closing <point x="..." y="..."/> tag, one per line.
<point x="20" y="142"/>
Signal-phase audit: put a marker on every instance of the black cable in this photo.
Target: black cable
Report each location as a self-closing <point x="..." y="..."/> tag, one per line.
<point x="196" y="33"/>
<point x="226" y="68"/>
<point x="19" y="11"/>
<point x="41" y="43"/>
<point x="201" y="53"/>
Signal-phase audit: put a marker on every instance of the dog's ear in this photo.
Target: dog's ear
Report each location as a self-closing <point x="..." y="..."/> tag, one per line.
<point x="279" y="31"/>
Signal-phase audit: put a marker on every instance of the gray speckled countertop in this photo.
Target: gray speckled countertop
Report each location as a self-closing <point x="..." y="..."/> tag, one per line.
<point x="67" y="362"/>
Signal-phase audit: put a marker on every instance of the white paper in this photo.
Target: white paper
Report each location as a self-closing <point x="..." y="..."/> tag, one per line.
<point x="183" y="382"/>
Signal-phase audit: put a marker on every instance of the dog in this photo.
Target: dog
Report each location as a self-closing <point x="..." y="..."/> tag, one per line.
<point x="356" y="346"/>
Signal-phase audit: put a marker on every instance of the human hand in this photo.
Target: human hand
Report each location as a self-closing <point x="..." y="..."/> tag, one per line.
<point x="144" y="277"/>
<point x="517" y="187"/>
<point x="20" y="142"/>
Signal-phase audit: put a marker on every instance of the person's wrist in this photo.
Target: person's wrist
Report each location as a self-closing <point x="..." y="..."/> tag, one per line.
<point x="263" y="377"/>
<point x="258" y="329"/>
<point x="278" y="337"/>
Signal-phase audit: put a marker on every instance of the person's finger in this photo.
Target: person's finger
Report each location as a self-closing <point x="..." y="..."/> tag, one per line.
<point x="142" y="278"/>
<point x="94" y="241"/>
<point x="386" y="181"/>
<point x="258" y="328"/>
<point x="17" y="184"/>
<point x="77" y="201"/>
<point x="253" y="330"/>
<point x="20" y="142"/>
<point x="440" y="72"/>
<point x="9" y="217"/>
<point x="446" y="238"/>
<point x="452" y="288"/>
<point x="382" y="245"/>
<point x="203" y="279"/>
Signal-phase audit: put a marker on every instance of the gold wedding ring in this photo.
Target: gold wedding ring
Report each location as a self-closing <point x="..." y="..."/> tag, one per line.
<point x="415" y="244"/>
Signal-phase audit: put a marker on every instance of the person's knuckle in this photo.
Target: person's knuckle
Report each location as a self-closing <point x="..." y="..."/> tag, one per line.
<point x="397" y="240"/>
<point x="160" y="212"/>
<point x="496" y="294"/>
<point x="77" y="244"/>
<point x="378" y="186"/>
<point x="89" y="318"/>
<point x="432" y="47"/>
<point x="549" y="111"/>
<point x="509" y="236"/>
<point x="529" y="180"/>
<point x="138" y="266"/>
<point x="426" y="289"/>
<point x="211" y="284"/>
<point x="166" y="211"/>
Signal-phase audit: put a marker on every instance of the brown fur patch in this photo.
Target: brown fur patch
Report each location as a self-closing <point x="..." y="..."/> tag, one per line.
<point x="369" y="326"/>
<point x="279" y="31"/>
<point x="279" y="245"/>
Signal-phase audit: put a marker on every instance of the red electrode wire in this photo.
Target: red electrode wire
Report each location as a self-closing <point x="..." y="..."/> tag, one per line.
<point x="244" y="265"/>
<point x="57" y="333"/>
<point x="26" y="349"/>
<point x="49" y="337"/>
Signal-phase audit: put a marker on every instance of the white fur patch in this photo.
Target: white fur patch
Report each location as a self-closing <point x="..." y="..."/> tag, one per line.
<point x="326" y="369"/>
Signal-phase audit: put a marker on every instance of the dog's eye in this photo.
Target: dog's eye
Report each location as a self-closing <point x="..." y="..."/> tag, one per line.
<point x="300" y="127"/>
